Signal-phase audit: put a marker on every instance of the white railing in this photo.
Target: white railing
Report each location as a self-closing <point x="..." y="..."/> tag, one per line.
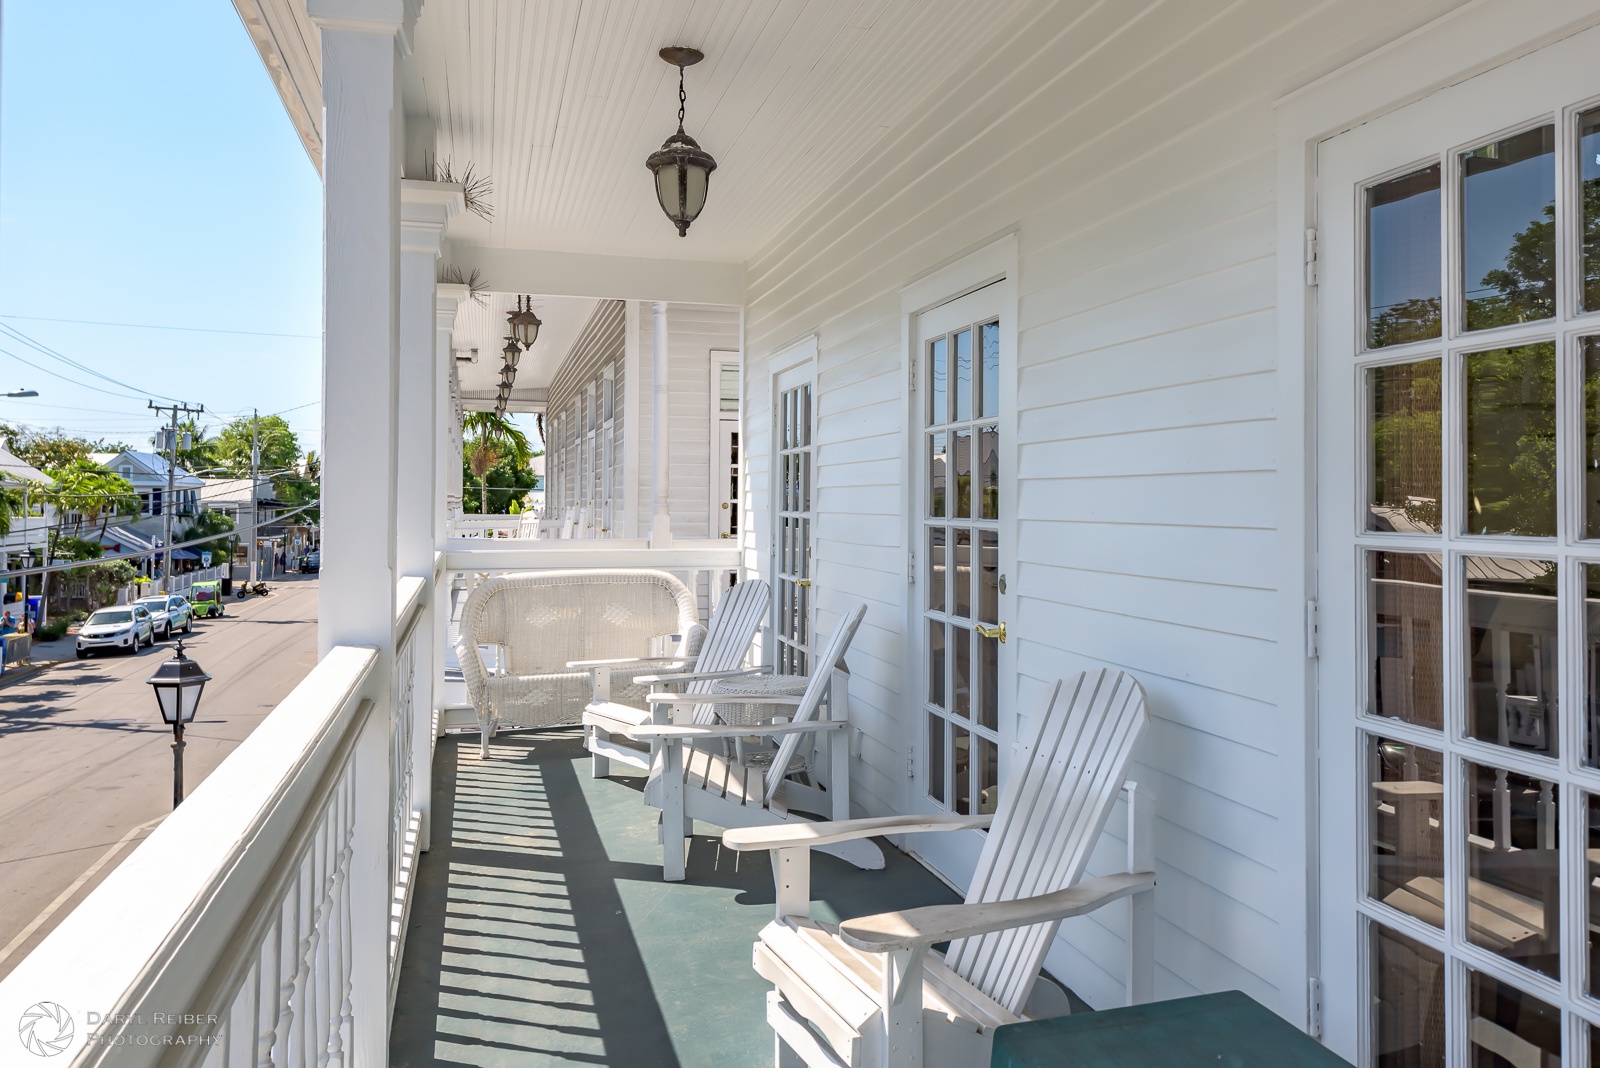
<point x="248" y="929"/>
<point x="411" y="625"/>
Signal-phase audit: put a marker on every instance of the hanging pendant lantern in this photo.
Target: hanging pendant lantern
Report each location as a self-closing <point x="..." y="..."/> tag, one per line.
<point x="524" y="323"/>
<point x="682" y="168"/>
<point x="512" y="352"/>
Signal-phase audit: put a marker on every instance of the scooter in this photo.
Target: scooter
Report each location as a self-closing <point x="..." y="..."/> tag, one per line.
<point x="245" y="589"/>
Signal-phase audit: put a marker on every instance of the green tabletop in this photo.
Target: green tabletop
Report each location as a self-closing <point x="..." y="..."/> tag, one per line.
<point x="1226" y="1030"/>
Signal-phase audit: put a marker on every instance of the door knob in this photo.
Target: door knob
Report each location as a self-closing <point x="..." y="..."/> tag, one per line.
<point x="992" y="632"/>
<point x="724" y="505"/>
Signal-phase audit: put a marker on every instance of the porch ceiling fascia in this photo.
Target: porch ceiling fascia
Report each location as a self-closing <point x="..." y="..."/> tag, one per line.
<point x="582" y="274"/>
<point x="291" y="50"/>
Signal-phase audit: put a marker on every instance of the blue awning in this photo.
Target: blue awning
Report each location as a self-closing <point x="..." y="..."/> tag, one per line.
<point x="185" y="554"/>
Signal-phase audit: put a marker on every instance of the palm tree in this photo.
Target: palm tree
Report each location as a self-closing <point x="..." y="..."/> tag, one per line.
<point x="12" y="501"/>
<point x="492" y="438"/>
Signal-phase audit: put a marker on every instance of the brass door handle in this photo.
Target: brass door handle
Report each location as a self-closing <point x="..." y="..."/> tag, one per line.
<point x="724" y="504"/>
<point x="803" y="582"/>
<point x="725" y="535"/>
<point x="992" y="632"/>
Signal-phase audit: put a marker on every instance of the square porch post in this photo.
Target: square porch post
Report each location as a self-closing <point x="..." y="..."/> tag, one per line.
<point x="425" y="208"/>
<point x="361" y="216"/>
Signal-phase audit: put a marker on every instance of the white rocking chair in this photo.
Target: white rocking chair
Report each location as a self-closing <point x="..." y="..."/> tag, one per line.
<point x="728" y="638"/>
<point x="873" y="992"/>
<point x="695" y="778"/>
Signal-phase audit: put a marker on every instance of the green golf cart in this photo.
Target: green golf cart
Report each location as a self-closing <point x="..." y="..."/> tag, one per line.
<point x="206" y="597"/>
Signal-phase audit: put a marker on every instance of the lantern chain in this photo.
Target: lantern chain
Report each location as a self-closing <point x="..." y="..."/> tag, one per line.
<point x="683" y="98"/>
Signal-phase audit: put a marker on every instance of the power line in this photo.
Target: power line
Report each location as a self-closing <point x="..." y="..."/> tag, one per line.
<point x="162" y="326"/>
<point x="70" y="362"/>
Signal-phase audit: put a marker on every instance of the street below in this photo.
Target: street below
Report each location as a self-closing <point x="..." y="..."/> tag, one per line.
<point x="86" y="762"/>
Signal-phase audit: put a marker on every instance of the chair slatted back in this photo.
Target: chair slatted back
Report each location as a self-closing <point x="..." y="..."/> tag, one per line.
<point x="822" y="674"/>
<point x="1064" y="784"/>
<point x="733" y="627"/>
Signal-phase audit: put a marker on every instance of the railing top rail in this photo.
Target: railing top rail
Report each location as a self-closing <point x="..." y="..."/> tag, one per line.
<point x="150" y="934"/>
<point x="522" y="554"/>
<point x="410" y="592"/>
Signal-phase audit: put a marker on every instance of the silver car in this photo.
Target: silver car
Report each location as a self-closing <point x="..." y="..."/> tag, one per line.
<point x="121" y="629"/>
<point x="168" y="613"/>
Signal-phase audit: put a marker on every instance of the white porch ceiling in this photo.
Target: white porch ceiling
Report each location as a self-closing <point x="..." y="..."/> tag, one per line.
<point x="484" y="327"/>
<point x="559" y="102"/>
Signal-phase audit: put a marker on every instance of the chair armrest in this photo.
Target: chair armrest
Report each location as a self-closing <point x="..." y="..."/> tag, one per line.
<point x="693" y="676"/>
<point x="620" y="661"/>
<point x="802" y="835"/>
<point x="662" y="697"/>
<point x="690" y="731"/>
<point x="920" y="928"/>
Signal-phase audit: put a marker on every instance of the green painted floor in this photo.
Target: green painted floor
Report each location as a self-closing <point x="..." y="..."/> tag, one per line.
<point x="542" y="934"/>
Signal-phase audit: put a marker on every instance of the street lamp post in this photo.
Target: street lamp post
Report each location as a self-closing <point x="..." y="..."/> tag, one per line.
<point x="178" y="684"/>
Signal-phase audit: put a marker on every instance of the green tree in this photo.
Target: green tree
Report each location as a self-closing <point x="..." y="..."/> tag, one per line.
<point x="199" y="454"/>
<point x="280" y="448"/>
<point x="501" y="484"/>
<point x="54" y="448"/>
<point x="209" y="524"/>
<point x="488" y="440"/>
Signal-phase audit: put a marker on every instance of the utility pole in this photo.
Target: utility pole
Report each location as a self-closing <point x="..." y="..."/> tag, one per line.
<point x="255" y="469"/>
<point x="167" y="502"/>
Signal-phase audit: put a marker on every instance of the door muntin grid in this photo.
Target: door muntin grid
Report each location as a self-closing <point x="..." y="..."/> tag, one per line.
<point x="793" y="478"/>
<point x="1478" y="501"/>
<point x="960" y="566"/>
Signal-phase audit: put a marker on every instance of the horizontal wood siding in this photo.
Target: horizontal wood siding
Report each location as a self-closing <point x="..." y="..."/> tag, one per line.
<point x="1131" y="149"/>
<point x="600" y="342"/>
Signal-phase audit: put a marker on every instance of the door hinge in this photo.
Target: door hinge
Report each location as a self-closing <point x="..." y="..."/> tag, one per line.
<point x="1313" y="626"/>
<point x="911" y="376"/>
<point x="911" y="566"/>
<point x="1311" y="256"/>
<point x="911" y="762"/>
<point x="1314" y="1007"/>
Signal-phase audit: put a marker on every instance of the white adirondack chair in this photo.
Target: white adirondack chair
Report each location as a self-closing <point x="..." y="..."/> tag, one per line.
<point x="728" y="637"/>
<point x="694" y="777"/>
<point x="872" y="991"/>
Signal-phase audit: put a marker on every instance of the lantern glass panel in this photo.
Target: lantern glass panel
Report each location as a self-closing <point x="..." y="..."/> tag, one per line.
<point x="191" y="699"/>
<point x="667" y="189"/>
<point x="167" y="699"/>
<point x="694" y="199"/>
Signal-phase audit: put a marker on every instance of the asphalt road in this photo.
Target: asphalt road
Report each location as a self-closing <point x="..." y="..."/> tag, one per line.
<point x="86" y="763"/>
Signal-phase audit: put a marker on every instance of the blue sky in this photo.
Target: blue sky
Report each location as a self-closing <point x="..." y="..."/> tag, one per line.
<point x="149" y="175"/>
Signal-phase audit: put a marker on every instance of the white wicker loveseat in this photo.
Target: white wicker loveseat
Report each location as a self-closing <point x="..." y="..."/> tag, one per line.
<point x="541" y="623"/>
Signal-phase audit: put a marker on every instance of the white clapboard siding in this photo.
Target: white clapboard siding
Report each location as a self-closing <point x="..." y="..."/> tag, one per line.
<point x="1140" y="180"/>
<point x="600" y="342"/>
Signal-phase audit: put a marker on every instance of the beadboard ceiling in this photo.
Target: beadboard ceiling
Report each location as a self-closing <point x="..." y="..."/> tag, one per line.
<point x="559" y="102"/>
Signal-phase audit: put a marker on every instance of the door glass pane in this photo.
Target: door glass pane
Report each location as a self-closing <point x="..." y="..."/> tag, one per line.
<point x="961" y="674"/>
<point x="1591" y="434"/>
<point x="936" y="780"/>
<point x="986" y="770"/>
<point x="1591" y="883"/>
<point x="1512" y="652"/>
<point x="936" y="663"/>
<point x="989" y="576"/>
<point x="938" y="382"/>
<point x="1510" y="1028"/>
<point x="1404" y="282"/>
<point x="937" y="463"/>
<point x="937" y="575"/>
<point x="989" y="353"/>
<point x="989" y="683"/>
<point x="1408" y="829"/>
<point x="1408" y="1002"/>
<point x="989" y="472"/>
<point x="961" y="751"/>
<point x="1589" y="191"/>
<point x="963" y="375"/>
<point x="1508" y="237"/>
<point x="1511" y="441"/>
<point x="961" y="593"/>
<point x="1513" y="867"/>
<point x="1591" y="665"/>
<point x="1405" y="617"/>
<point x="1406" y="440"/>
<point x="962" y="448"/>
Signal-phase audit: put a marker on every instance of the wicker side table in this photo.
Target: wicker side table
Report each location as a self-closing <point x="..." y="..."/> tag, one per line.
<point x="735" y="714"/>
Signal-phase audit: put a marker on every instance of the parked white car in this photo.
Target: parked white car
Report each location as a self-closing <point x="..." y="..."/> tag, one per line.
<point x="122" y="629"/>
<point x="168" y="613"/>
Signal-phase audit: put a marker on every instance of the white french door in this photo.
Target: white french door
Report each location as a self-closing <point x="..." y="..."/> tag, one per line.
<point x="793" y="475"/>
<point x="1458" y="445"/>
<point x="963" y="408"/>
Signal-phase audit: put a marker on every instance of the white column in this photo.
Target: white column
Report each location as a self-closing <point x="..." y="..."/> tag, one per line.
<point x="425" y="208"/>
<point x="361" y="217"/>
<point x="660" y="516"/>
